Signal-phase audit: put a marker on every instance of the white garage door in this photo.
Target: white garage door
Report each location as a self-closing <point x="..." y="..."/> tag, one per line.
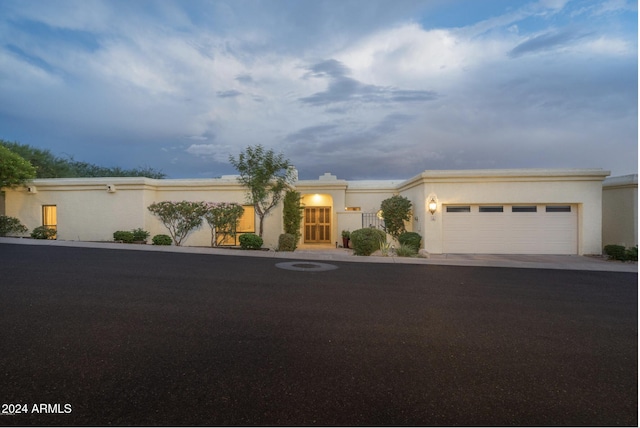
<point x="510" y="229"/>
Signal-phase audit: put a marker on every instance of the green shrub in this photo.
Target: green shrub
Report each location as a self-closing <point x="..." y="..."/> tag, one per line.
<point x="250" y="241"/>
<point x="615" y="252"/>
<point x="43" y="232"/>
<point x="366" y="241"/>
<point x="140" y="234"/>
<point x="411" y="239"/>
<point x="287" y="242"/>
<point x="619" y="252"/>
<point x="11" y="225"/>
<point x="124" y="236"/>
<point x="161" y="240"/>
<point x="405" y="250"/>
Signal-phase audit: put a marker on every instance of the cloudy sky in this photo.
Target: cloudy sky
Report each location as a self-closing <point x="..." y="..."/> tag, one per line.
<point x="360" y="88"/>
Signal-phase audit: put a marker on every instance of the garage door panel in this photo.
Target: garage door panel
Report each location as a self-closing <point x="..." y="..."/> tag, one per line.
<point x="507" y="232"/>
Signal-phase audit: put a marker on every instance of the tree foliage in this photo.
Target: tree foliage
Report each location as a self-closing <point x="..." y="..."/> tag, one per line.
<point x="266" y="175"/>
<point x="14" y="169"/>
<point x="222" y="218"/>
<point x="292" y="214"/>
<point x="395" y="211"/>
<point x="47" y="165"/>
<point x="180" y="218"/>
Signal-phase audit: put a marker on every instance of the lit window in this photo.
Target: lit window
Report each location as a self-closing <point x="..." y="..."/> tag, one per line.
<point x="246" y="224"/>
<point x="50" y="217"/>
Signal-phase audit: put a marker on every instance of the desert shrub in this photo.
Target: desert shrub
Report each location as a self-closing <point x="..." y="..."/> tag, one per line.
<point x="11" y="225"/>
<point x="405" y="250"/>
<point x="250" y="241"/>
<point x="411" y="239"/>
<point x="366" y="241"/>
<point x="124" y="236"/>
<point x="43" y="232"/>
<point x="292" y="215"/>
<point x="632" y="254"/>
<point x="161" y="240"/>
<point x="615" y="252"/>
<point x="287" y="242"/>
<point x="140" y="234"/>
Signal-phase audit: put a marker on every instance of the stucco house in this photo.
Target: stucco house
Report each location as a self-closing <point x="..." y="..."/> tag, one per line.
<point x="519" y="211"/>
<point x="620" y="210"/>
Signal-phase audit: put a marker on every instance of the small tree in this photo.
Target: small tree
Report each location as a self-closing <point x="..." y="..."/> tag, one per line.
<point x="265" y="175"/>
<point x="14" y="169"/>
<point x="395" y="211"/>
<point x="180" y="218"/>
<point x="292" y="214"/>
<point x="223" y="219"/>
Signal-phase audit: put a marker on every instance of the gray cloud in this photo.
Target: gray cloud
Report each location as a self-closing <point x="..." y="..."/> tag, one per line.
<point x="546" y="42"/>
<point x="343" y="88"/>
<point x="232" y="93"/>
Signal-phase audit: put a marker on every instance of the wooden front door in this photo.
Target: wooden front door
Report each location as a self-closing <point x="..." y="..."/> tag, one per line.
<point x="317" y="224"/>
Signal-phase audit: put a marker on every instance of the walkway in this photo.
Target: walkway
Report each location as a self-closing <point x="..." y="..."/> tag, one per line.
<point x="589" y="263"/>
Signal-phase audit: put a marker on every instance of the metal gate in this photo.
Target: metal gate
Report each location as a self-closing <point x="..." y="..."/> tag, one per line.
<point x="372" y="220"/>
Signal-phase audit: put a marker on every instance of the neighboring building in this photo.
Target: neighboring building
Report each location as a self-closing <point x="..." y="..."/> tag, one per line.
<point x="620" y="210"/>
<point x="519" y="211"/>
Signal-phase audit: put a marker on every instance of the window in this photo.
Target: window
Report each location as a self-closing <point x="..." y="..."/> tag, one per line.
<point x="459" y="209"/>
<point x="524" y="209"/>
<point x="491" y="209"/>
<point x="558" y="208"/>
<point x="352" y="209"/>
<point x="50" y="217"/>
<point x="246" y="224"/>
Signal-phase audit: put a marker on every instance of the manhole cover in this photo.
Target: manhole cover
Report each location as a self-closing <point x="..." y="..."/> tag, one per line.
<point x="306" y="266"/>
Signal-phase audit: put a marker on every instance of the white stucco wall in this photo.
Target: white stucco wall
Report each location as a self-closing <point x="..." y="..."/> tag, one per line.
<point x="620" y="211"/>
<point x="86" y="211"/>
<point x="543" y="186"/>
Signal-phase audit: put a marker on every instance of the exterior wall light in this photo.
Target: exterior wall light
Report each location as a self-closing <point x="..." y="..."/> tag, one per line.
<point x="433" y="206"/>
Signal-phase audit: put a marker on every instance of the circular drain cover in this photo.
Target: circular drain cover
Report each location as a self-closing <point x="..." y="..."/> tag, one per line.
<point x="306" y="266"/>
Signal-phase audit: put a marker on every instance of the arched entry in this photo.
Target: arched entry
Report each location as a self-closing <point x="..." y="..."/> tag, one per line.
<point x="317" y="221"/>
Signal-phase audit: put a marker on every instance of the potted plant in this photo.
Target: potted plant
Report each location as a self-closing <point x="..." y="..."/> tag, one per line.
<point x="345" y="238"/>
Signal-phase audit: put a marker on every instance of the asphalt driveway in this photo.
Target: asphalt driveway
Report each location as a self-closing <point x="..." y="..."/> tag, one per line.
<point x="107" y="337"/>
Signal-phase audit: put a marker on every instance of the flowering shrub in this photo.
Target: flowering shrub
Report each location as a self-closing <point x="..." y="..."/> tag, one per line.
<point x="222" y="218"/>
<point x="11" y="225"/>
<point x="180" y="218"/>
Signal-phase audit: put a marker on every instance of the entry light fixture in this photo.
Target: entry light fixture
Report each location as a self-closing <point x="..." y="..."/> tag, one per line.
<point x="433" y="206"/>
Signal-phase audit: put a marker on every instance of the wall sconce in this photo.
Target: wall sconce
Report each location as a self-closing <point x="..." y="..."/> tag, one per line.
<point x="433" y="206"/>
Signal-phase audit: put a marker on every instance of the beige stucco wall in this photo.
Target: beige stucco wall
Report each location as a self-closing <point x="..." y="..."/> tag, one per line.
<point x="87" y="211"/>
<point x="544" y="186"/>
<point x="620" y="211"/>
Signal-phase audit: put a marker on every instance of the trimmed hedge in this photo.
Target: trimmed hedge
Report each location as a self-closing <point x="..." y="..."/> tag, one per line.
<point x="287" y="242"/>
<point x="618" y="252"/>
<point x="366" y="241"/>
<point x="250" y="241"/>
<point x="43" y="232"/>
<point x="162" y="240"/>
<point x="124" y="236"/>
